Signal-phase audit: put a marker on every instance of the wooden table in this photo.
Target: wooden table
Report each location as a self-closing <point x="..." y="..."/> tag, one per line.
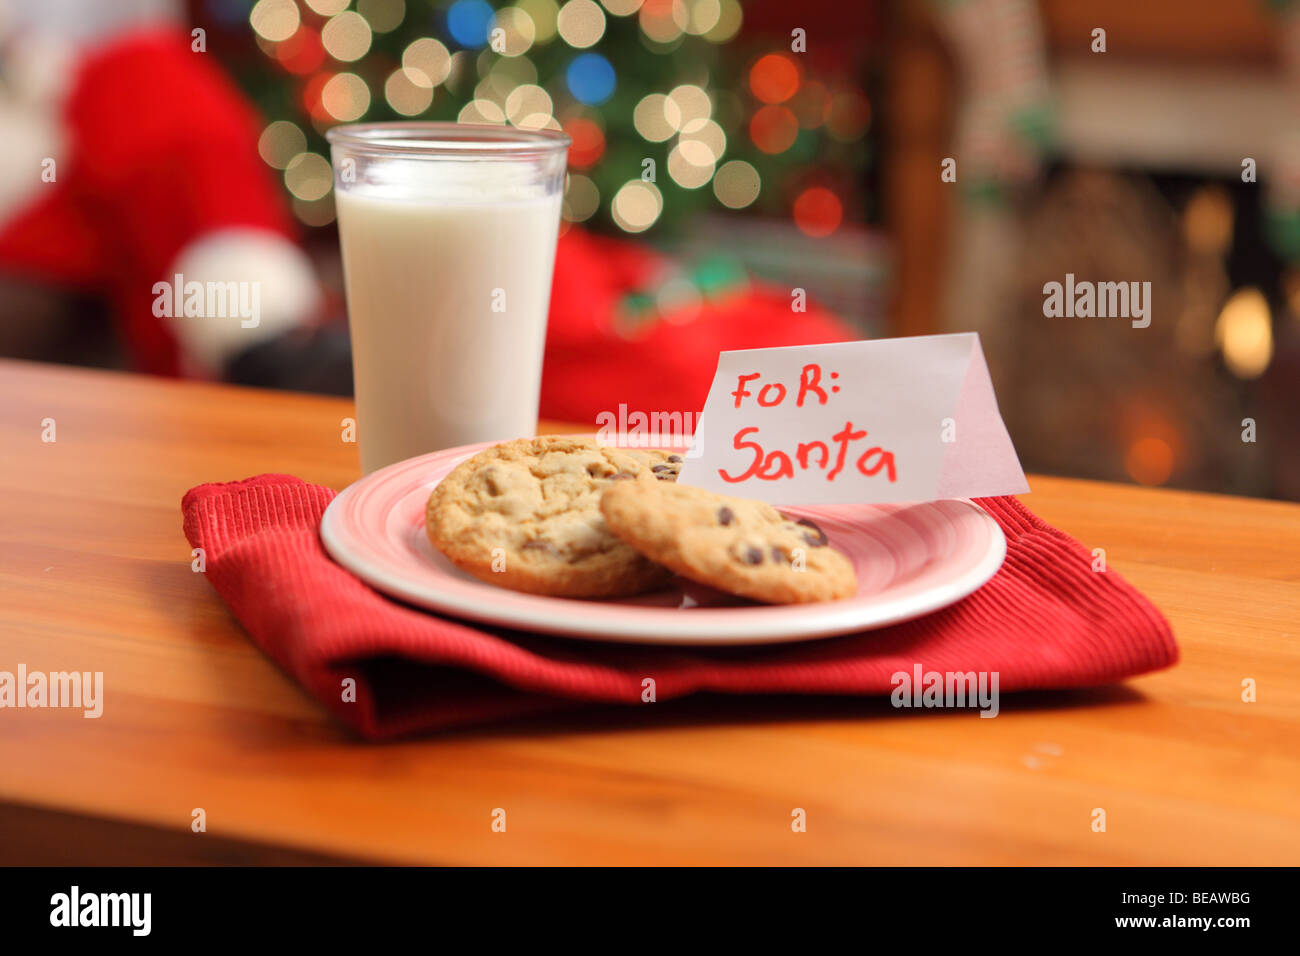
<point x="95" y="575"/>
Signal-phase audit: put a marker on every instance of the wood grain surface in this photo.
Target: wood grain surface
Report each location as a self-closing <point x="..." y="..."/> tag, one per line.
<point x="95" y="575"/>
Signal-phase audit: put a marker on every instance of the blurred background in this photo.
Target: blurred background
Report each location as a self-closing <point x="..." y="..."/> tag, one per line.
<point x="730" y="160"/>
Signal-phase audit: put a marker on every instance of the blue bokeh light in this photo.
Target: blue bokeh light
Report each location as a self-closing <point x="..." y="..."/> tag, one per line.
<point x="468" y="22"/>
<point x="590" y="78"/>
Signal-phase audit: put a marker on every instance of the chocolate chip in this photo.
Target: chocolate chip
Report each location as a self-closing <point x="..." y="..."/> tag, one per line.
<point x="659" y="469"/>
<point x="539" y="546"/>
<point x="817" y="538"/>
<point x="621" y="476"/>
<point x="725" y="515"/>
<point x="675" y="458"/>
<point x="667" y="477"/>
<point x="778" y="555"/>
<point x="753" y="556"/>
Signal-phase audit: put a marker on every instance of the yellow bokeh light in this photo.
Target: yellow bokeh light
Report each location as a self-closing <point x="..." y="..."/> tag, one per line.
<point x="384" y="16"/>
<point x="315" y="212"/>
<point x="1207" y="221"/>
<point x="581" y="198"/>
<point x="526" y="101"/>
<point x="280" y="142"/>
<point x="543" y="13"/>
<point x="308" y="176"/>
<point x="427" y="62"/>
<point x="480" y="111"/>
<point x="408" y="93"/>
<point x="622" y="8"/>
<point x="697" y="17"/>
<point x="581" y="23"/>
<point x="517" y="31"/>
<point x="736" y="184"/>
<point x="1244" y="333"/>
<point x="345" y="97"/>
<point x="708" y="134"/>
<point x="730" y="17"/>
<point x="636" y="206"/>
<point x="346" y="37"/>
<point x="652" y="119"/>
<point x="327" y="8"/>
<point x="274" y="20"/>
<point x="691" y="104"/>
<point x="690" y="165"/>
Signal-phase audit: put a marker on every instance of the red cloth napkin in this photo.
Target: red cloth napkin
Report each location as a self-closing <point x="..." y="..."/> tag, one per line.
<point x="1046" y="620"/>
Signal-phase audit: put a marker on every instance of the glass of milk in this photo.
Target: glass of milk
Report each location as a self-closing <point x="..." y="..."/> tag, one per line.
<point x="448" y="234"/>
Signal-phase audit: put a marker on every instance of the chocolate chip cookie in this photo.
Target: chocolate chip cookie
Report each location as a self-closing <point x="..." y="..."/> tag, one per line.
<point x="734" y="544"/>
<point x="526" y="515"/>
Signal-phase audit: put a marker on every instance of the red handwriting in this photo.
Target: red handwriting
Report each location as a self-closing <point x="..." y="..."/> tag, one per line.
<point x="774" y="393"/>
<point x="773" y="465"/>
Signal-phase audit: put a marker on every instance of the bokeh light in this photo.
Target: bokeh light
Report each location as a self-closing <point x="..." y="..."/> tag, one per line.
<point x="427" y="62"/>
<point x="773" y="129"/>
<point x="346" y="37"/>
<point x="678" y="300"/>
<point x="636" y="206"/>
<point x="482" y="111"/>
<point x="849" y="116"/>
<point x="736" y="184"/>
<point x="590" y="78"/>
<point x="774" y="78"/>
<point x="621" y="8"/>
<point x="1244" y="333"/>
<point x="689" y="103"/>
<point x="818" y="212"/>
<point x="652" y="119"/>
<point x="316" y="212"/>
<point x="345" y="97"/>
<point x="581" y="23"/>
<point x="690" y="164"/>
<point x="280" y="142"/>
<point x="811" y="104"/>
<point x="1149" y="461"/>
<point x="1207" y="221"/>
<point x="327" y="8"/>
<point x="274" y="20"/>
<point x="543" y="13"/>
<point x="581" y="198"/>
<point x="302" y="53"/>
<point x="384" y="16"/>
<point x="707" y="134"/>
<point x="408" y="93"/>
<point x="308" y="176"/>
<point x="588" y="142"/>
<point x="657" y="21"/>
<point x="730" y="16"/>
<point x="526" y="102"/>
<point x="697" y="17"/>
<point x="469" y="21"/>
<point x="517" y="31"/>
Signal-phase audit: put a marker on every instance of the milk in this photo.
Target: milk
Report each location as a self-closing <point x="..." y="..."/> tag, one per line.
<point x="447" y="301"/>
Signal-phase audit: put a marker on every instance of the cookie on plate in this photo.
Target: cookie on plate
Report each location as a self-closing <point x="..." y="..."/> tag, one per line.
<point x="733" y="544"/>
<point x="526" y="515"/>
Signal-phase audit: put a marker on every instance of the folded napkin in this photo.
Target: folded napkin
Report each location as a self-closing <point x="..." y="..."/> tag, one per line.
<point x="1046" y="620"/>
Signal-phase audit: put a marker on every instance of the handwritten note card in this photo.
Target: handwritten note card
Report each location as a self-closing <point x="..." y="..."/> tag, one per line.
<point x="911" y="419"/>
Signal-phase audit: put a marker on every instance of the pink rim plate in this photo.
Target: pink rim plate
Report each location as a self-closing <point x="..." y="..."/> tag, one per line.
<point x="911" y="559"/>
